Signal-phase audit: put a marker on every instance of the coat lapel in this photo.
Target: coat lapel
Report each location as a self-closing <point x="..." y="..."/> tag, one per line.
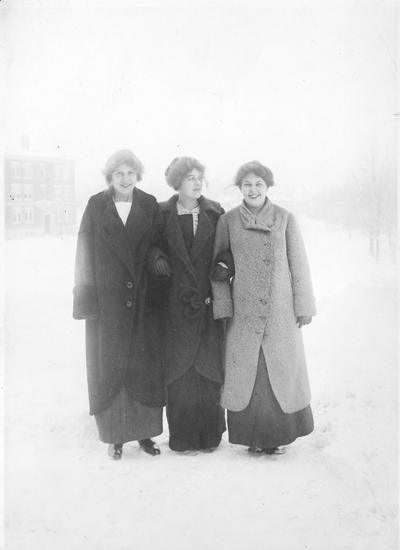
<point x="175" y="237"/>
<point x="113" y="232"/>
<point x="137" y="224"/>
<point x="205" y="231"/>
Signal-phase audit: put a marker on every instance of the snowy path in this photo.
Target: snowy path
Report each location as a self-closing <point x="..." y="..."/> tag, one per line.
<point x="334" y="490"/>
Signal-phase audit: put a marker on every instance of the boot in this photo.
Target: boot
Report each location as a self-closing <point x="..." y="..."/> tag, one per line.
<point x="149" y="447"/>
<point x="115" y="451"/>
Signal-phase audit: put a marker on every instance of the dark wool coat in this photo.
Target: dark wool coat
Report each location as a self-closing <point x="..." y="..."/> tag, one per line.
<point x="191" y="336"/>
<point x="122" y="339"/>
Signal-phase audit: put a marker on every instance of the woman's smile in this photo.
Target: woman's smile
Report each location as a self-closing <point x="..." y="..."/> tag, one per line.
<point x="123" y="180"/>
<point x="254" y="190"/>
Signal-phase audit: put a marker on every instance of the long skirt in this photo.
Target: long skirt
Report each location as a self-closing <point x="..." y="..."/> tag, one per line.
<point x="195" y="417"/>
<point x="263" y="423"/>
<point x="128" y="420"/>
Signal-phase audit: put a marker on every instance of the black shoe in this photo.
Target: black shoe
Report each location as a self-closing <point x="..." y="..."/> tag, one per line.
<point x="274" y="451"/>
<point x="255" y="450"/>
<point x="115" y="451"/>
<point x="149" y="447"/>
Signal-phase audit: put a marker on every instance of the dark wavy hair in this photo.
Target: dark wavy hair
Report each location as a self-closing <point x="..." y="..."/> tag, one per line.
<point x="257" y="168"/>
<point x="124" y="156"/>
<point x="179" y="168"/>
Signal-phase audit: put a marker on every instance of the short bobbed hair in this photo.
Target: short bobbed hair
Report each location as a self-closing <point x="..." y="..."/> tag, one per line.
<point x="124" y="156"/>
<point x="257" y="168"/>
<point x="179" y="168"/>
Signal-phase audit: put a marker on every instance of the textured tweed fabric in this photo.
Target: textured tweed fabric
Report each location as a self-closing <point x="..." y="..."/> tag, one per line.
<point x="271" y="287"/>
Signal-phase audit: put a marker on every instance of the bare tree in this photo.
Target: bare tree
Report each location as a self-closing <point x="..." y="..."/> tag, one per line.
<point x="374" y="198"/>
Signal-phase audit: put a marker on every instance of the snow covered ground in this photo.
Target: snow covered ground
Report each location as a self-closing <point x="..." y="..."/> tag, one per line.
<point x="334" y="490"/>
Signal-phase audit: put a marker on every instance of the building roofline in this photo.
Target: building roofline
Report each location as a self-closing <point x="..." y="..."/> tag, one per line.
<point x="28" y="155"/>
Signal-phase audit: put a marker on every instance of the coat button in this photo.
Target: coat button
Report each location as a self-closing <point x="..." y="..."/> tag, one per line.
<point x="207" y="301"/>
<point x="129" y="284"/>
<point x="264" y="302"/>
<point x="129" y="304"/>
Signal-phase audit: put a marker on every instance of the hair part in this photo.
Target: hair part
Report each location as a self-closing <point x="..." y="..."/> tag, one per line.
<point x="123" y="156"/>
<point x="257" y="168"/>
<point x="179" y="168"/>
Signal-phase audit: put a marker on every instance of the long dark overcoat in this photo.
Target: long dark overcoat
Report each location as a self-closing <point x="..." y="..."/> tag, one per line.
<point x="191" y="336"/>
<point x="122" y="339"/>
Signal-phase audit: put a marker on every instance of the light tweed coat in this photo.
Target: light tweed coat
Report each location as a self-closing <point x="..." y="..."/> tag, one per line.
<point x="271" y="287"/>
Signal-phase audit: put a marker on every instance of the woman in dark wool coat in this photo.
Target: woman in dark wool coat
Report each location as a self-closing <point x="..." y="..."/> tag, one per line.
<point x="266" y="388"/>
<point x="118" y="229"/>
<point x="192" y="339"/>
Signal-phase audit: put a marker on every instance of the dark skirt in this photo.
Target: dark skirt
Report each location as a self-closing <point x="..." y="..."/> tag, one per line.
<point x="128" y="420"/>
<point x="195" y="417"/>
<point x="263" y="423"/>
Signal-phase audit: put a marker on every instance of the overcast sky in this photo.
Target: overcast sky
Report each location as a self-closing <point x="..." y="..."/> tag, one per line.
<point x="306" y="89"/>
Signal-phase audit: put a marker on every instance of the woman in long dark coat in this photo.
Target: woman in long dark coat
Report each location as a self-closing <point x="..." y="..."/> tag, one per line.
<point x="192" y="339"/>
<point x="118" y="229"/>
<point x="266" y="388"/>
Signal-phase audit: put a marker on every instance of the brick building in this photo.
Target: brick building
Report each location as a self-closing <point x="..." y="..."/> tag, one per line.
<point x="39" y="195"/>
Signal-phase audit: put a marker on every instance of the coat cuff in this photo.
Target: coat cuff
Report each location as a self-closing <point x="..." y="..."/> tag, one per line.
<point x="85" y="302"/>
<point x="222" y="309"/>
<point x="304" y="308"/>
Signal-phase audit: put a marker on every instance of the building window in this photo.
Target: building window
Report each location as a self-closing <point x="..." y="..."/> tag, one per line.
<point x="67" y="192"/>
<point x="15" y="194"/>
<point x="58" y="192"/>
<point x="28" y="215"/>
<point x="28" y="191"/>
<point x="15" y="169"/>
<point x="58" y="168"/>
<point x="42" y="170"/>
<point x="17" y="215"/>
<point x="27" y="166"/>
<point x="66" y="172"/>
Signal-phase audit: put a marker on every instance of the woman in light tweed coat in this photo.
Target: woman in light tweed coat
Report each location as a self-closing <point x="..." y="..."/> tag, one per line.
<point x="266" y="388"/>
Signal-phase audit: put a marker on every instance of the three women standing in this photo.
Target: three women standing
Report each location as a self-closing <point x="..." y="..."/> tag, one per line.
<point x="123" y="235"/>
<point x="266" y="388"/>
<point x="118" y="229"/>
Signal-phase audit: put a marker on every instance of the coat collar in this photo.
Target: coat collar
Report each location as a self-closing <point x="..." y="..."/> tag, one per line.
<point x="262" y="221"/>
<point x="124" y="239"/>
<point x="205" y="204"/>
<point x="205" y="231"/>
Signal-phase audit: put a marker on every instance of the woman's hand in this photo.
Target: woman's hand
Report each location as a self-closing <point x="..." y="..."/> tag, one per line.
<point x="161" y="267"/>
<point x="303" y="320"/>
<point x="219" y="273"/>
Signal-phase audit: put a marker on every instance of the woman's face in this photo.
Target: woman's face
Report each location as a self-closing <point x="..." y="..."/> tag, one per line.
<point x="123" y="180"/>
<point x="191" y="185"/>
<point x="254" y="190"/>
